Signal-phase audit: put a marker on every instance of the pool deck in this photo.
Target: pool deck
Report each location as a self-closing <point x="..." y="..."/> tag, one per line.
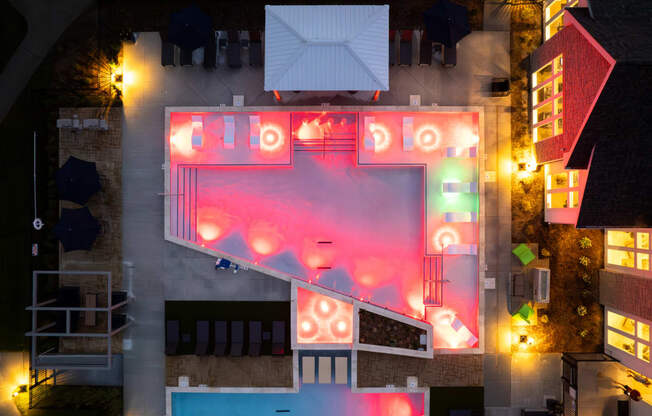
<point x="163" y="270"/>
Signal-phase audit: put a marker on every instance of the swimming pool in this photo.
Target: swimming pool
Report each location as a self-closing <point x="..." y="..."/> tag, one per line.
<point x="312" y="400"/>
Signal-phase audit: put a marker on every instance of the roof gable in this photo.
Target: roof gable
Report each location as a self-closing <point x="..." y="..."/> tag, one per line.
<point x="326" y="48"/>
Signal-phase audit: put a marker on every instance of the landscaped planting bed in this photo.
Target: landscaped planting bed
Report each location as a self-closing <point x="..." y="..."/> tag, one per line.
<point x="379" y="330"/>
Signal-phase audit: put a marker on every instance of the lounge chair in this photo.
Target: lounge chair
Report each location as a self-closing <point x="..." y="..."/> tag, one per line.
<point x="392" y="47"/>
<point x="255" y="338"/>
<point x="425" y="50"/>
<point x="369" y="142"/>
<point x="186" y="57"/>
<point x="210" y="52"/>
<point x="233" y="49"/>
<point x="229" y="132"/>
<point x="255" y="49"/>
<point x="201" y="339"/>
<point x="524" y="254"/>
<point x="171" y="337"/>
<point x="220" y="338"/>
<point x="167" y="54"/>
<point x="91" y="123"/>
<point x="64" y="123"/>
<point x="254" y="132"/>
<point x="237" y="338"/>
<point x="197" y="138"/>
<point x="278" y="338"/>
<point x="408" y="134"/>
<point x="449" y="56"/>
<point x="405" y="53"/>
<point x="525" y="313"/>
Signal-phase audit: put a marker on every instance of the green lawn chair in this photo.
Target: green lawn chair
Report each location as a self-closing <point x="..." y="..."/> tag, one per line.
<point x="525" y="313"/>
<point x="524" y="254"/>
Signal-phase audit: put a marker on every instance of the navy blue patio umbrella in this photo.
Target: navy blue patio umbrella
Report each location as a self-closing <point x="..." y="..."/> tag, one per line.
<point x="189" y="28"/>
<point x="446" y="23"/>
<point x="77" y="229"/>
<point x="77" y="180"/>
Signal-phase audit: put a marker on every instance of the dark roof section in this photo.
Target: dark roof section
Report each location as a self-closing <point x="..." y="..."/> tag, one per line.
<point x="617" y="137"/>
<point x="609" y="9"/>
<point x="625" y="37"/>
<point x="619" y="183"/>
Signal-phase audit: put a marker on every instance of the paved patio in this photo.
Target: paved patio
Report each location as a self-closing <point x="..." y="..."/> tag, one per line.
<point x="157" y="270"/>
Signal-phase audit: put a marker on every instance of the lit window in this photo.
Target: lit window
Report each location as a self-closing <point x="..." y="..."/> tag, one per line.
<point x="620" y="258"/>
<point x="543" y="74"/>
<point x="643" y="331"/>
<point x="642" y="261"/>
<point x="574" y="179"/>
<point x="574" y="199"/>
<point x="547" y="100"/>
<point x="558" y="200"/>
<point x="621" y="342"/>
<point x="543" y="132"/>
<point x="620" y="238"/>
<point x="644" y="352"/>
<point x="621" y="323"/>
<point x="544" y="112"/>
<point x="558" y="180"/>
<point x="643" y="241"/>
<point x="554" y="17"/>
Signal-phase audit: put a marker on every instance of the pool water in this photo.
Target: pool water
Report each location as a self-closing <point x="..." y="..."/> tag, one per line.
<point x="312" y="400"/>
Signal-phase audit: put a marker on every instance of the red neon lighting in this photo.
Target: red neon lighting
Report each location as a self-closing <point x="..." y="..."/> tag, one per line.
<point x="376" y="96"/>
<point x="444" y="237"/>
<point x="264" y="238"/>
<point x="271" y="138"/>
<point x="322" y="319"/>
<point x="277" y="96"/>
<point x="427" y="138"/>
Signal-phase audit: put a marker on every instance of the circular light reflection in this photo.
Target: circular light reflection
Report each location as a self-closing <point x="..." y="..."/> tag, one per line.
<point x="272" y="138"/>
<point x="427" y="138"/>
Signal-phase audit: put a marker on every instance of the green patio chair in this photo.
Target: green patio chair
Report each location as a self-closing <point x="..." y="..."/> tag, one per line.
<point x="525" y="313"/>
<point x="524" y="254"/>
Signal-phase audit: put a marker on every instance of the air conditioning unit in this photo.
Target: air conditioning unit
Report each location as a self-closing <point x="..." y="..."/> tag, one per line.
<point x="541" y="284"/>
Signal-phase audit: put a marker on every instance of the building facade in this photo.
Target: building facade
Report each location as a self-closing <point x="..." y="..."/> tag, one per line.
<point x="589" y="90"/>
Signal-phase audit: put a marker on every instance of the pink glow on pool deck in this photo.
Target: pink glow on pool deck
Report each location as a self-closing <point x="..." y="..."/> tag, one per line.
<point x="357" y="221"/>
<point x="322" y="319"/>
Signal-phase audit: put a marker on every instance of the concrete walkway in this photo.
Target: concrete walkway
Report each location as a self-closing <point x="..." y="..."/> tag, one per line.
<point x="46" y="20"/>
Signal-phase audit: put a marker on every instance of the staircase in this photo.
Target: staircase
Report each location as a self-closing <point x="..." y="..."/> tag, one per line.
<point x="433" y="271"/>
<point x="328" y="143"/>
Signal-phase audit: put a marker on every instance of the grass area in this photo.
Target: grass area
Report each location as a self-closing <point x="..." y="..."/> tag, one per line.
<point x="13" y="28"/>
<point x="73" y="401"/>
<point x="443" y="399"/>
<point x="64" y="78"/>
<point x="572" y="285"/>
<point x="153" y="15"/>
<point x="189" y="312"/>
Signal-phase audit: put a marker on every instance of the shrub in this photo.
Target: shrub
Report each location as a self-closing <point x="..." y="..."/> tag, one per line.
<point x="543" y="319"/>
<point x="585" y="242"/>
<point x="586" y="278"/>
<point x="545" y="252"/>
<point x="581" y="310"/>
<point x="585" y="261"/>
<point x="584" y="333"/>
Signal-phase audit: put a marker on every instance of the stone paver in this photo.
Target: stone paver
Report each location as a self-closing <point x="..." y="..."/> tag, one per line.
<point x="379" y="370"/>
<point x="263" y="371"/>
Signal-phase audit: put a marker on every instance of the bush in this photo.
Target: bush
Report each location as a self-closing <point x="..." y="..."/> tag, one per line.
<point x="585" y="261"/>
<point x="545" y="252"/>
<point x="544" y="319"/>
<point x="585" y="242"/>
<point x="584" y="333"/>
<point x="586" y="278"/>
<point x="581" y="310"/>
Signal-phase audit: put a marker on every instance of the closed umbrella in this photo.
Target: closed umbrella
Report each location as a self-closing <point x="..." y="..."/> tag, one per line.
<point x="446" y="23"/>
<point x="189" y="28"/>
<point x="77" y="229"/>
<point x="77" y="180"/>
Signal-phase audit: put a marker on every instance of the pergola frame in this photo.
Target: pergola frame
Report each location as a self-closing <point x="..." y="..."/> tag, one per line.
<point x="42" y="331"/>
